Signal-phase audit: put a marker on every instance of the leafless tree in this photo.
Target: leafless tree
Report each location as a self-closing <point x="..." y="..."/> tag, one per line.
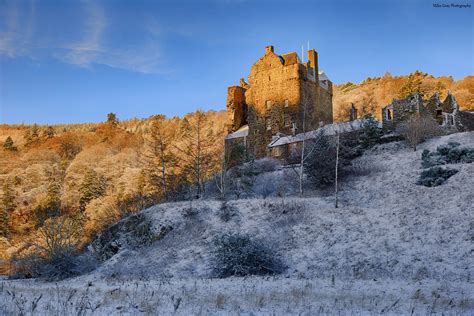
<point x="197" y="148"/>
<point x="158" y="154"/>
<point x="337" y="164"/>
<point x="58" y="235"/>
<point x="419" y="128"/>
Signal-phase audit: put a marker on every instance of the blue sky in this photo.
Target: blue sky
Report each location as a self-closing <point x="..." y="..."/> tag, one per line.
<point x="75" y="61"/>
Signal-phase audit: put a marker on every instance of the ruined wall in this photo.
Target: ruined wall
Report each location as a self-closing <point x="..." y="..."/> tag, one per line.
<point x="236" y="107"/>
<point x="400" y="111"/>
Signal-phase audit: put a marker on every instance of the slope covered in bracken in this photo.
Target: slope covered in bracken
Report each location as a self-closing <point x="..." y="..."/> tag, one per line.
<point x="372" y="94"/>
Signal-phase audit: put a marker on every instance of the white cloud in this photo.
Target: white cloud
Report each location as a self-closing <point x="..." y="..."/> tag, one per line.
<point x="91" y="48"/>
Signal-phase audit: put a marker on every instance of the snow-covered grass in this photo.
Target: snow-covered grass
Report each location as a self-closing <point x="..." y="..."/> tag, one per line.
<point x="248" y="296"/>
<point x="391" y="247"/>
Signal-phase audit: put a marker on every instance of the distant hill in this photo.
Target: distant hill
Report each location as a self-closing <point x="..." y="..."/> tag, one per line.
<point x="370" y="95"/>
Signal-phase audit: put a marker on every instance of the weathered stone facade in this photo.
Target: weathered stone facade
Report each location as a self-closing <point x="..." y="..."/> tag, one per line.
<point x="446" y="113"/>
<point x="281" y="91"/>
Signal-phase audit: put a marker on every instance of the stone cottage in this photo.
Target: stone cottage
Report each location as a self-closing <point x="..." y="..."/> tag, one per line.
<point x="283" y="96"/>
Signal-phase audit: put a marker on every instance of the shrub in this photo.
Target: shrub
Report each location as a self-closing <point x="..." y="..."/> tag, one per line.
<point x="54" y="255"/>
<point x="226" y="212"/>
<point x="239" y="255"/>
<point x="370" y="132"/>
<point x="269" y="184"/>
<point x="321" y="162"/>
<point x="64" y="264"/>
<point x="448" y="153"/>
<point x="418" y="129"/>
<point x="435" y="176"/>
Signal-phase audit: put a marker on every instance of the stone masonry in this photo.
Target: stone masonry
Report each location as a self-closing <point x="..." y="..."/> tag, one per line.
<point x="280" y="92"/>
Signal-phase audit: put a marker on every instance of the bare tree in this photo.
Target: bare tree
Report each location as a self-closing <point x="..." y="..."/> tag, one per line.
<point x="221" y="177"/>
<point x="337" y="164"/>
<point x="59" y="235"/>
<point x="419" y="128"/>
<point x="197" y="148"/>
<point x="158" y="154"/>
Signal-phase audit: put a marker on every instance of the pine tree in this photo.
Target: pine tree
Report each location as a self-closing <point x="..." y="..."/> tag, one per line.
<point x="411" y="86"/>
<point x="7" y="206"/>
<point x="9" y="145"/>
<point x="112" y="119"/>
<point x="199" y="157"/>
<point x="92" y="186"/>
<point x="321" y="161"/>
<point x="31" y="135"/>
<point x="370" y="132"/>
<point x="49" y="132"/>
<point x="50" y="206"/>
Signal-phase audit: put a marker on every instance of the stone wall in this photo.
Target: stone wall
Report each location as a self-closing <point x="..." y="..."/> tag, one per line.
<point x="236" y="106"/>
<point x="278" y="92"/>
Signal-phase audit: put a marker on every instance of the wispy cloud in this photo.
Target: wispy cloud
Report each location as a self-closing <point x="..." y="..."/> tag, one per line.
<point x="91" y="47"/>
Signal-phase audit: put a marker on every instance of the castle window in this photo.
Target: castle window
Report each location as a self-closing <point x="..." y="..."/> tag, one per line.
<point x="286" y="103"/>
<point x="389" y="114"/>
<point x="439" y="112"/>
<point x="287" y="120"/>
<point x="269" y="104"/>
<point x="269" y="124"/>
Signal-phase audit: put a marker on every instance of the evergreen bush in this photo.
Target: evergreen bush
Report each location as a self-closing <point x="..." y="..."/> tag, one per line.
<point x="435" y="176"/>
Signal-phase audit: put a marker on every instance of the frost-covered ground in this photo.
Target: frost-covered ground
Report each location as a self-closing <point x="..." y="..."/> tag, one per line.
<point x="392" y="247"/>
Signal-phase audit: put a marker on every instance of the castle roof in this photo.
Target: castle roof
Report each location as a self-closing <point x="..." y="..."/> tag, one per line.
<point x="328" y="129"/>
<point x="290" y="58"/>
<point x="322" y="75"/>
<point x="241" y="132"/>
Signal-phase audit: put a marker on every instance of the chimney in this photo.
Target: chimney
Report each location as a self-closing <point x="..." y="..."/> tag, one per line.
<point x="269" y="49"/>
<point x="313" y="62"/>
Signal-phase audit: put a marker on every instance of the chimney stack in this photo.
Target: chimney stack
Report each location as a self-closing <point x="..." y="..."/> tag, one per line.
<point x="269" y="49"/>
<point x="313" y="63"/>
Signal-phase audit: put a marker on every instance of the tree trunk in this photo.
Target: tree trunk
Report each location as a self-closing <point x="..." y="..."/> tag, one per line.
<point x="337" y="165"/>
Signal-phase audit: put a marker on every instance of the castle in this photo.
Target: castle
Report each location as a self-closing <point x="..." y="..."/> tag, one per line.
<point x="283" y="96"/>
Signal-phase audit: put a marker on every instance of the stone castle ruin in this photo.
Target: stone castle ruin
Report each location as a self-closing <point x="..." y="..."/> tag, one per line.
<point x="446" y="113"/>
<point x="283" y="96"/>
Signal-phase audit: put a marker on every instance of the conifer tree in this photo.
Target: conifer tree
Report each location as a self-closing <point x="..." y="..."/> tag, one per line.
<point x="92" y="186"/>
<point x="9" y="145"/>
<point x="32" y="135"/>
<point x="370" y="132"/>
<point x="51" y="204"/>
<point x="411" y="86"/>
<point x="49" y="132"/>
<point x="7" y="206"/>
<point x="112" y="119"/>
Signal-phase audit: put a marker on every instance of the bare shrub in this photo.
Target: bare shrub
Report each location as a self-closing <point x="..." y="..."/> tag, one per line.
<point x="269" y="184"/>
<point x="419" y="128"/>
<point x="55" y="254"/>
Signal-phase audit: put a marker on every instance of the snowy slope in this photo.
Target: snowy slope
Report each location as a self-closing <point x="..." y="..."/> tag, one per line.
<point x="391" y="245"/>
<point x="387" y="226"/>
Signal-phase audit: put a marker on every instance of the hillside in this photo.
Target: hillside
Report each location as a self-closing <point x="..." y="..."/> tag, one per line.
<point x="391" y="247"/>
<point x="97" y="171"/>
<point x="372" y="94"/>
